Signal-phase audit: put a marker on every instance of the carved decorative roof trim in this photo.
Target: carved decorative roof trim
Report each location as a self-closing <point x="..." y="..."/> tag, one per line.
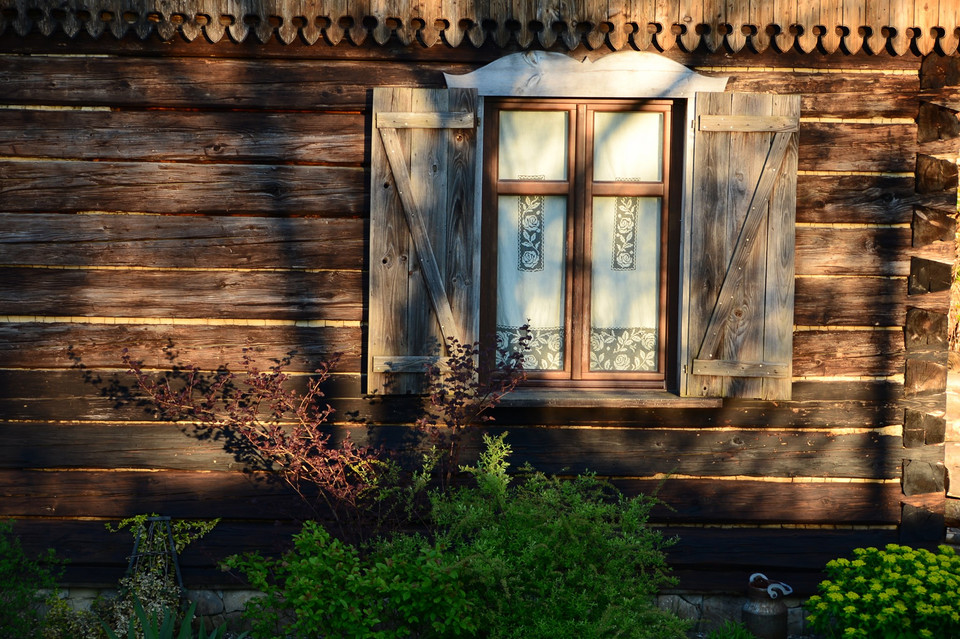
<point x="900" y="27"/>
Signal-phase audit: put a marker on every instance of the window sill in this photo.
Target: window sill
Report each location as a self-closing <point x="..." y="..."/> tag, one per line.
<point x="586" y="398"/>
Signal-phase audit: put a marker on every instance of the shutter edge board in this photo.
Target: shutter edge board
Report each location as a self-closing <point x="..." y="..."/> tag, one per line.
<point x="749" y="123"/>
<point x="425" y="120"/>
<point x="407" y="363"/>
<point x="728" y="368"/>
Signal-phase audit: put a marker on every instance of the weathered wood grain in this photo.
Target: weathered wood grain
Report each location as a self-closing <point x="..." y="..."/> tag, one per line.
<point x="185" y="136"/>
<point x="851" y="301"/>
<point x="831" y="198"/>
<point x="935" y="122"/>
<point x="929" y="276"/>
<point x="424" y="259"/>
<point x="208" y="82"/>
<point x="836" y="95"/>
<point x="118" y="494"/>
<point x="291" y="295"/>
<point x="310" y="47"/>
<point x="863" y="199"/>
<point x="926" y="331"/>
<point x="148" y="187"/>
<point x="836" y="146"/>
<point x="255" y="496"/>
<point x="169" y="241"/>
<point x="705" y="501"/>
<point x="93" y="346"/>
<point x="847" y="353"/>
<point x="317" y="84"/>
<point x="610" y="451"/>
<point x="869" y="251"/>
<point x="90" y="395"/>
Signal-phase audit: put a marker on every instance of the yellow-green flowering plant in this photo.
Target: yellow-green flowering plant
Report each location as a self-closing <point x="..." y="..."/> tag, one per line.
<point x="895" y="593"/>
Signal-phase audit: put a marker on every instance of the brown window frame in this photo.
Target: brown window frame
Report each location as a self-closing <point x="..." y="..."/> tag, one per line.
<point x="579" y="191"/>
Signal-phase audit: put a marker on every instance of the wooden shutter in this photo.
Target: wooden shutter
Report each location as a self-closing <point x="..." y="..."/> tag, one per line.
<point x="740" y="329"/>
<point x="424" y="231"/>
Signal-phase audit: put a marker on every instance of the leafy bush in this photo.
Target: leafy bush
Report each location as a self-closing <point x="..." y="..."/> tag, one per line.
<point x="731" y="630"/>
<point x="164" y="624"/>
<point x="323" y="587"/>
<point x="894" y="593"/>
<point x="555" y="558"/>
<point x="64" y="622"/>
<point x="460" y="395"/>
<point x="152" y="584"/>
<point x="251" y="412"/>
<point x="22" y="585"/>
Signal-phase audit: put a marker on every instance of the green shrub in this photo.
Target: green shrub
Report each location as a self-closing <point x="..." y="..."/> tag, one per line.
<point x="731" y="630"/>
<point x="894" y="593"/>
<point x="152" y="584"/>
<point x="22" y="585"/>
<point x="165" y="624"/>
<point x="324" y="588"/>
<point x="544" y="558"/>
<point x="556" y="558"/>
<point x="64" y="622"/>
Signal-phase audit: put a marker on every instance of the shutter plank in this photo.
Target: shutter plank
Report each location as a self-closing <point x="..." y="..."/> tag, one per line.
<point x="422" y="277"/>
<point x="711" y="153"/>
<point x="745" y="247"/>
<point x="741" y="286"/>
<point x="389" y="255"/>
<point x="781" y="236"/>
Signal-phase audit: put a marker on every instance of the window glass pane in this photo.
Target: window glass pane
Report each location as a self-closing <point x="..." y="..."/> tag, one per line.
<point x="627" y="146"/>
<point x="625" y="282"/>
<point x="530" y="277"/>
<point x="533" y="145"/>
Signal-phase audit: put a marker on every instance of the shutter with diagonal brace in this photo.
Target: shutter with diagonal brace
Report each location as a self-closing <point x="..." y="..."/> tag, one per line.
<point x="424" y="232"/>
<point x="740" y="323"/>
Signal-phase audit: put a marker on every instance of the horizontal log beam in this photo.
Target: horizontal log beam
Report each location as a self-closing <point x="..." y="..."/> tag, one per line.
<point x="848" y="353"/>
<point x="95" y="395"/>
<point x="185" y="136"/>
<point x="185" y="494"/>
<point x="295" y="295"/>
<point x="609" y="451"/>
<point x="223" y="83"/>
<point x="149" y="187"/>
<point x="175" y="241"/>
<point x="61" y="345"/>
<point x="863" y="199"/>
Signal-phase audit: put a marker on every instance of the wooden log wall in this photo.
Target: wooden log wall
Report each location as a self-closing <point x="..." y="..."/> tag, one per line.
<point x="213" y="198"/>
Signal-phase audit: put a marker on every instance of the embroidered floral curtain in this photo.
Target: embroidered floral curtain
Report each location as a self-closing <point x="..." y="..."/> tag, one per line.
<point x="532" y="251"/>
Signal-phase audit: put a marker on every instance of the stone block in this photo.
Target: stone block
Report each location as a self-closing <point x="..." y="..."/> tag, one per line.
<point x="234" y="601"/>
<point x="82" y="598"/>
<point x="209" y="602"/>
<point x="718" y="609"/>
<point x="683" y="606"/>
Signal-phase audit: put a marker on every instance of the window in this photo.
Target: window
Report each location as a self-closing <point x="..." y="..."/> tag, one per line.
<point x="713" y="199"/>
<point x="578" y="236"/>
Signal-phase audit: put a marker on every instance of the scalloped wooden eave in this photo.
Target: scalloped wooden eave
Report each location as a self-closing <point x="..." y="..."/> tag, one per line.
<point x="901" y="27"/>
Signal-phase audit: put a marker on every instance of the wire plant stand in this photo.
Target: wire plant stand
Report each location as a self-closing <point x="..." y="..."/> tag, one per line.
<point x="154" y="551"/>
